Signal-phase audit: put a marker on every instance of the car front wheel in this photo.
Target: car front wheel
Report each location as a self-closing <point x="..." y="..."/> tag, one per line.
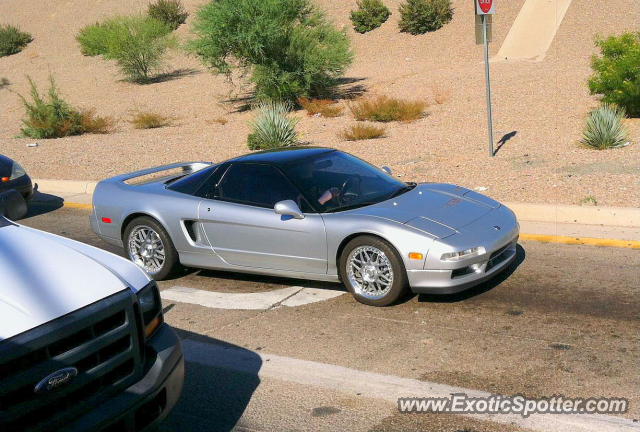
<point x="372" y="271"/>
<point x="149" y="246"/>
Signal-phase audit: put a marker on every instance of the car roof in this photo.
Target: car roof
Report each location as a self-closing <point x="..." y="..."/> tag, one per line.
<point x="283" y="156"/>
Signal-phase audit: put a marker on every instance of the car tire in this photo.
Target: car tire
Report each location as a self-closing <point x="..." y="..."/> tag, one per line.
<point x="133" y="240"/>
<point x="371" y="285"/>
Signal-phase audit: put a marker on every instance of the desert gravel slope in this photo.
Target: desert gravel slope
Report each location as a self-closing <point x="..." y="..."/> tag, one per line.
<point x="541" y="106"/>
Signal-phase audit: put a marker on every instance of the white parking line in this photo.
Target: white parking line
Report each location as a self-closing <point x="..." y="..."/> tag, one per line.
<point x="292" y="296"/>
<point x="383" y="387"/>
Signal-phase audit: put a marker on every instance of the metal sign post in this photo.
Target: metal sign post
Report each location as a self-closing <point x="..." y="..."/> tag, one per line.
<point x="486" y="8"/>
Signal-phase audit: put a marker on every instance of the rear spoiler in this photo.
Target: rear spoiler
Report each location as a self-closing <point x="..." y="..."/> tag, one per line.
<point x="170" y="171"/>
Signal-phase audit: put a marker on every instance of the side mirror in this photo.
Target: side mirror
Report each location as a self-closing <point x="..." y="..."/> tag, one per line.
<point x="387" y="170"/>
<point x="288" y="208"/>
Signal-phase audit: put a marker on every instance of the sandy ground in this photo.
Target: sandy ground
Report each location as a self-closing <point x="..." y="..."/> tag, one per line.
<point x="541" y="106"/>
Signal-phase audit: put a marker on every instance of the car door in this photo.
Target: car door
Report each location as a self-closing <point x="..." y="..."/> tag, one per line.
<point x="243" y="229"/>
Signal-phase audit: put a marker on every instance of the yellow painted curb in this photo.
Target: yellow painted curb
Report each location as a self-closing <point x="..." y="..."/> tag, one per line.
<point x="77" y="205"/>
<point x="590" y="241"/>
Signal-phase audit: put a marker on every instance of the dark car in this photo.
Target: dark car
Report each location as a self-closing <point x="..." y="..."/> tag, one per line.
<point x="13" y="176"/>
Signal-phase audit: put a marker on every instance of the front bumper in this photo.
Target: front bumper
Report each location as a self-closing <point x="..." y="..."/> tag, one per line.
<point x="146" y="403"/>
<point x="452" y="281"/>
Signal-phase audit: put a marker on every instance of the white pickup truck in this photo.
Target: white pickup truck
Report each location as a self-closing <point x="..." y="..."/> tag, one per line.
<point x="83" y="344"/>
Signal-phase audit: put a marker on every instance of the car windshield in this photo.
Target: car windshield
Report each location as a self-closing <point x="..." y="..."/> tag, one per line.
<point x="338" y="181"/>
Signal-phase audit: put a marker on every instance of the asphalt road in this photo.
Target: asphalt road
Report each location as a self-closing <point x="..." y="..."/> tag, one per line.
<point x="563" y="320"/>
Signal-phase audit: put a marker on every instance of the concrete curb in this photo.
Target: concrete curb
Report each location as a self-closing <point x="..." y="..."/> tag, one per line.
<point x="554" y="213"/>
<point x="558" y="213"/>
<point x="66" y="186"/>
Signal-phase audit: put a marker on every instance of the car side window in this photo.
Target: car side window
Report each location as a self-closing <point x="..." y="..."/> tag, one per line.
<point x="208" y="188"/>
<point x="257" y="185"/>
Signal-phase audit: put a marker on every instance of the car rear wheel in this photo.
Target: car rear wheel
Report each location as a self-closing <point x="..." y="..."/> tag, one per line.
<point x="372" y="271"/>
<point x="149" y="246"/>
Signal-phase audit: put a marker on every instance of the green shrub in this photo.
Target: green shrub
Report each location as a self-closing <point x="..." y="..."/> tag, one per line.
<point x="137" y="43"/>
<point x="273" y="127"/>
<point x="370" y="15"/>
<point x="617" y="72"/>
<point x="53" y="117"/>
<point x="605" y="128"/>
<point x="94" y="38"/>
<point x="12" y="40"/>
<point x="288" y="46"/>
<point x="170" y="12"/>
<point x="421" y="16"/>
<point x="139" y="47"/>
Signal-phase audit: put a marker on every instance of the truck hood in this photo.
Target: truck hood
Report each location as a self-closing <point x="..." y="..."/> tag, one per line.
<point x="44" y="276"/>
<point x="437" y="209"/>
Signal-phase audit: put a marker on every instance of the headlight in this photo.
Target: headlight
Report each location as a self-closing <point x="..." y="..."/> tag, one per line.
<point x="467" y="253"/>
<point x="16" y="171"/>
<point x="150" y="308"/>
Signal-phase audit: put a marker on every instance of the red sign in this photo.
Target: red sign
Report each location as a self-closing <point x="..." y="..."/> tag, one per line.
<point x="485" y="5"/>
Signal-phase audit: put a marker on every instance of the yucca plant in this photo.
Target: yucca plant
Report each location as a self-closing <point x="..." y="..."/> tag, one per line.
<point x="605" y="128"/>
<point x="273" y="127"/>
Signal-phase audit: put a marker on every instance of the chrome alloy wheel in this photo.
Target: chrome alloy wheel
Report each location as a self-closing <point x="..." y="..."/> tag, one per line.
<point x="146" y="249"/>
<point x="369" y="272"/>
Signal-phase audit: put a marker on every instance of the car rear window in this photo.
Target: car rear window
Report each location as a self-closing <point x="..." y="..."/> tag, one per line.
<point x="191" y="183"/>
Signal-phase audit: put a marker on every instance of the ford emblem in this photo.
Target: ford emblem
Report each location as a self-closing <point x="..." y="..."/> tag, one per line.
<point x="56" y="380"/>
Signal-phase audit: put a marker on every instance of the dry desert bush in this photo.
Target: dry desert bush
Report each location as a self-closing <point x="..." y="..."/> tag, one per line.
<point x="362" y="132"/>
<point x="220" y="120"/>
<point x="386" y="109"/>
<point x="149" y="120"/>
<point x="324" y="107"/>
<point x="91" y="123"/>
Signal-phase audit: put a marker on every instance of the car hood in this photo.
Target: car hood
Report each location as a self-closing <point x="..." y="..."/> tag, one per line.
<point x="44" y="276"/>
<point x="439" y="210"/>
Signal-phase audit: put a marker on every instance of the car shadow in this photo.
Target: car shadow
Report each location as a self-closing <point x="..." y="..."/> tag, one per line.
<point x="214" y="397"/>
<point x="42" y="203"/>
<point x="478" y="289"/>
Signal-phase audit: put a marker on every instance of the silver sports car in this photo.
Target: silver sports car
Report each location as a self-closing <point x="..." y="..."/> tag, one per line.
<point x="309" y="213"/>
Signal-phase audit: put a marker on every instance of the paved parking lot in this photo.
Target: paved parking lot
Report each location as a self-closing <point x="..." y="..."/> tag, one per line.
<point x="564" y="320"/>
